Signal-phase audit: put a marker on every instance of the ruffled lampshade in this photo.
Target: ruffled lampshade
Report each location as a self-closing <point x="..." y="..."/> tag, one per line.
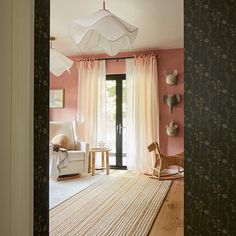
<point x="59" y="63"/>
<point x="104" y="30"/>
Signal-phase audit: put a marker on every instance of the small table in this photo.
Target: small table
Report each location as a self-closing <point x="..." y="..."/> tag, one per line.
<point x="92" y="154"/>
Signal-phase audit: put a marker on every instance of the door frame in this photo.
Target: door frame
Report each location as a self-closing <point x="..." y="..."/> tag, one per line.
<point x="119" y="120"/>
<point x="41" y="116"/>
<point x="16" y="126"/>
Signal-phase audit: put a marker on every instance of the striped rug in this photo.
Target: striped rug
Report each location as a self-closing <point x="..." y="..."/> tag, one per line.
<point x="123" y="205"/>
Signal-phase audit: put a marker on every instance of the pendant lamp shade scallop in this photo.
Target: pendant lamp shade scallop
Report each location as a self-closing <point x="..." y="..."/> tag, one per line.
<point x="103" y="30"/>
<point x="58" y="62"/>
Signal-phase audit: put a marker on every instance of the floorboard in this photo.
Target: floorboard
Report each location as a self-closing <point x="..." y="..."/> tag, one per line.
<point x="170" y="220"/>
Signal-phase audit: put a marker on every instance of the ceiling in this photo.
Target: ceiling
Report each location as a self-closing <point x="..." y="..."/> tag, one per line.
<point x="159" y="22"/>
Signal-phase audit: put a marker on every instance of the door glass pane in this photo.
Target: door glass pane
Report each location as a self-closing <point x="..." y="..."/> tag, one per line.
<point x="111" y="119"/>
<point x="124" y="122"/>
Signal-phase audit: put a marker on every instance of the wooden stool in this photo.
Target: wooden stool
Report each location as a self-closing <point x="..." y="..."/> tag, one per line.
<point x="92" y="155"/>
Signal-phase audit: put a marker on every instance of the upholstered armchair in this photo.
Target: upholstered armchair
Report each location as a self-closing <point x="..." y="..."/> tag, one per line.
<point x="77" y="154"/>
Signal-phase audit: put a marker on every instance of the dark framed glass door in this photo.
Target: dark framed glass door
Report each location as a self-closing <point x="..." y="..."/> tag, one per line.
<point x="116" y="119"/>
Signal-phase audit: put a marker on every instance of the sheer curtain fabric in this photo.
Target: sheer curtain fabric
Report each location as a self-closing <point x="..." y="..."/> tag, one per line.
<point x="91" y="101"/>
<point x="142" y="111"/>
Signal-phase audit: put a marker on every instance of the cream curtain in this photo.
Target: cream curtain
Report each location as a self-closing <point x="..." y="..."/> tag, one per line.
<point x="91" y="101"/>
<point x="142" y="111"/>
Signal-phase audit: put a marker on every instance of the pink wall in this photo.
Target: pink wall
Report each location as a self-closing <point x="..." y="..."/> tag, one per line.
<point x="169" y="60"/>
<point x="69" y="83"/>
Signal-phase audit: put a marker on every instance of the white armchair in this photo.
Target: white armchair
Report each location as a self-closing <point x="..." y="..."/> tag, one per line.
<point x="77" y="155"/>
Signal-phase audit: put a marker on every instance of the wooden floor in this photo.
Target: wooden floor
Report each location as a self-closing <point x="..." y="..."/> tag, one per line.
<point x="170" y="220"/>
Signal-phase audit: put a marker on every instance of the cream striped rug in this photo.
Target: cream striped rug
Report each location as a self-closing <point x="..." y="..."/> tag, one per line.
<point x="123" y="205"/>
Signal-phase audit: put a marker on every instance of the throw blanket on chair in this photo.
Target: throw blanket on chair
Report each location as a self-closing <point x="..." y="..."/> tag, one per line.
<point x="59" y="160"/>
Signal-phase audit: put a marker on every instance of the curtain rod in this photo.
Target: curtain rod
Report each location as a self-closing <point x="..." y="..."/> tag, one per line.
<point x="113" y="58"/>
<point x="117" y="58"/>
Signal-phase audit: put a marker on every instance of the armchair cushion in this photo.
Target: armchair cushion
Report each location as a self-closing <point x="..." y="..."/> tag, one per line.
<point x="76" y="156"/>
<point x="82" y="146"/>
<point x="64" y="128"/>
<point x="61" y="141"/>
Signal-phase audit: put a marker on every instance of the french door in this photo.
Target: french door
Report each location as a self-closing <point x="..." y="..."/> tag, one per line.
<point x="116" y="119"/>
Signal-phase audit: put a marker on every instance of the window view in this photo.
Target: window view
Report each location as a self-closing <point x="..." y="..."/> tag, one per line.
<point x="116" y="121"/>
<point x="124" y="107"/>
<point x="111" y="119"/>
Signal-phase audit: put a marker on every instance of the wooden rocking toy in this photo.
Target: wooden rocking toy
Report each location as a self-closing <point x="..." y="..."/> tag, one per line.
<point x="162" y="162"/>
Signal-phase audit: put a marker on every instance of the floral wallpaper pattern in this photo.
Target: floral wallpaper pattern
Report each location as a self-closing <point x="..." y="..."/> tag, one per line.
<point x="41" y="117"/>
<point x="210" y="104"/>
<point x="210" y="115"/>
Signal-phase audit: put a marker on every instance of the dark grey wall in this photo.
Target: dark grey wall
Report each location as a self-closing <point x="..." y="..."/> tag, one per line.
<point x="210" y="104"/>
<point x="41" y="117"/>
<point x="210" y="115"/>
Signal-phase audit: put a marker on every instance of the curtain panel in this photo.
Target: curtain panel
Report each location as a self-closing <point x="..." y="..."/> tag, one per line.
<point x="91" y="101"/>
<point x="142" y="111"/>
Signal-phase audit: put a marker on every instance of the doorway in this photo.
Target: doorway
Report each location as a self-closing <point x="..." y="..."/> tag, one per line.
<point x="40" y="149"/>
<point x="116" y="119"/>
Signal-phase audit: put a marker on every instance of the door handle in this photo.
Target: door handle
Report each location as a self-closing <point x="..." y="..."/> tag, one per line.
<point x="117" y="129"/>
<point x="120" y="128"/>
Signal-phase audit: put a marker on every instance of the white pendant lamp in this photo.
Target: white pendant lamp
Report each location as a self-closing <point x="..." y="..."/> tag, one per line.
<point x="58" y="62"/>
<point x="104" y="30"/>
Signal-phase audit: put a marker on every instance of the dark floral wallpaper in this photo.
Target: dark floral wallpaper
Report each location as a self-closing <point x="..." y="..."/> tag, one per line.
<point x="210" y="118"/>
<point x="41" y="117"/>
